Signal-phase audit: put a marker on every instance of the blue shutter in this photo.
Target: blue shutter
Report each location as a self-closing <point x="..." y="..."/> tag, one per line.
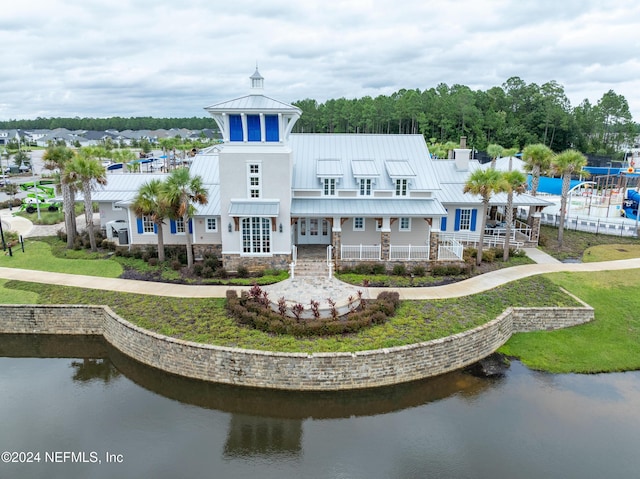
<point x="139" y="223"/>
<point x="272" y="128"/>
<point x="155" y="228"/>
<point x="456" y="226"/>
<point x="474" y="217"/>
<point x="172" y="226"/>
<point x="253" y="127"/>
<point x="190" y="226"/>
<point x="235" y="128"/>
<point x="443" y="223"/>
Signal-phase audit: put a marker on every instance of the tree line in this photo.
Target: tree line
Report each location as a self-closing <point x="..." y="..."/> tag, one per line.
<point x="112" y="123"/>
<point x="514" y="114"/>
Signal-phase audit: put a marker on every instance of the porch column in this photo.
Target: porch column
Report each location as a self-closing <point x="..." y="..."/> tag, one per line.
<point x="434" y="238"/>
<point x="535" y="227"/>
<point x="385" y="239"/>
<point x="336" y="239"/>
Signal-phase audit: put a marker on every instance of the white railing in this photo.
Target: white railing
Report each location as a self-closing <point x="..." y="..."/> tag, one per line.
<point x="408" y="252"/>
<point x="330" y="260"/>
<point x="294" y="259"/>
<point x="361" y="252"/>
<point x="450" y="249"/>
<point x="490" y="240"/>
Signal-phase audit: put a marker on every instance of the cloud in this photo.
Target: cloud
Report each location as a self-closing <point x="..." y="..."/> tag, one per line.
<point x="99" y="58"/>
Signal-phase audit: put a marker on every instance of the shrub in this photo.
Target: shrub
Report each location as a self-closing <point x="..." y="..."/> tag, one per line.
<point x="399" y="270"/>
<point x="243" y="272"/>
<point x="221" y="273"/>
<point x="418" y="270"/>
<point x="363" y="268"/>
<point x="489" y="256"/>
<point x="379" y="268"/>
<point x="211" y="261"/>
<point x="153" y="261"/>
<point x="176" y="265"/>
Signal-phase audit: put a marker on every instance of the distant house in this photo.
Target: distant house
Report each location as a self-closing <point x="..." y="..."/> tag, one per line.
<point x="272" y="194"/>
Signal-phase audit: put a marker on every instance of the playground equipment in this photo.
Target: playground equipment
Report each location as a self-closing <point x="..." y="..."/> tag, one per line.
<point x="630" y="205"/>
<point x="39" y="191"/>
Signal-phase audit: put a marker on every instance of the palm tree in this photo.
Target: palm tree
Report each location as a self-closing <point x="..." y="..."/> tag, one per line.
<point x="515" y="182"/>
<point x="494" y="151"/>
<point x="567" y="163"/>
<point x="537" y="160"/>
<point x="182" y="191"/>
<point x="86" y="170"/>
<point x="58" y="158"/>
<point x="484" y="183"/>
<point x="126" y="157"/>
<point x="151" y="201"/>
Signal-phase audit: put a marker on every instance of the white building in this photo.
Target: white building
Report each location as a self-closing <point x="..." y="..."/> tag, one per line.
<point x="272" y="193"/>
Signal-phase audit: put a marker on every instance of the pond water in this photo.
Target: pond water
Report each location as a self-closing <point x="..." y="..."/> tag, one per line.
<point x="79" y="403"/>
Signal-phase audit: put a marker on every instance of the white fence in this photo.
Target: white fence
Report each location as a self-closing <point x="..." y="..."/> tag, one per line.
<point x="591" y="225"/>
<point x="450" y="249"/>
<point x="408" y="252"/>
<point x="491" y="240"/>
<point x="364" y="252"/>
<point x="360" y="252"/>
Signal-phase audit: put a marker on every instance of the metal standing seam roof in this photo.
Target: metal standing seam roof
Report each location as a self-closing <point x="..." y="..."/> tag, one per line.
<point x="247" y="208"/>
<point x="253" y="103"/>
<point x="366" y="207"/>
<point x="375" y="150"/>
<point x="399" y="169"/>
<point x="364" y="169"/>
<point x="328" y="168"/>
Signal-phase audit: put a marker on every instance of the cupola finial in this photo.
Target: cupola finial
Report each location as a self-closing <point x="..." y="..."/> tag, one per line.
<point x="257" y="82"/>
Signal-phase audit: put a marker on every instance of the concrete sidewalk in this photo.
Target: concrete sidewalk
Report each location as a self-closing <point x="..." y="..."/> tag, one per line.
<point x="473" y="285"/>
<point x="300" y="289"/>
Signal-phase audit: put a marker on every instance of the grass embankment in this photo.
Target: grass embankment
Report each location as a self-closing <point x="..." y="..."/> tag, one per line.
<point x="610" y="343"/>
<point x="205" y="320"/>
<point x="575" y="244"/>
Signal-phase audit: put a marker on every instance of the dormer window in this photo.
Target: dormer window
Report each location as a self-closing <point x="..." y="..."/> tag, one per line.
<point x="365" y="186"/>
<point x="329" y="186"/>
<point x="401" y="186"/>
<point x="329" y="172"/>
<point x="365" y="173"/>
<point x="400" y="172"/>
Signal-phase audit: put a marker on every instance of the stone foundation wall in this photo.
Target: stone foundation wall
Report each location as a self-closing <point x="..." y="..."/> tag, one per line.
<point x="292" y="371"/>
<point x="256" y="263"/>
<point x="200" y="250"/>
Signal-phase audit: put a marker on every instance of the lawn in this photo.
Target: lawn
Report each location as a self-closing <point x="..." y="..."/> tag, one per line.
<point x="205" y="320"/>
<point x="576" y="243"/>
<point x="38" y="256"/>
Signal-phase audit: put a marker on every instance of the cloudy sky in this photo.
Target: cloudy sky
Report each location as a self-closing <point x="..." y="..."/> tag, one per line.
<point x="100" y="58"/>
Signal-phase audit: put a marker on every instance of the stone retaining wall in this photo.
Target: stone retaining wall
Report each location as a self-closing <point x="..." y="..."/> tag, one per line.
<point x="293" y="371"/>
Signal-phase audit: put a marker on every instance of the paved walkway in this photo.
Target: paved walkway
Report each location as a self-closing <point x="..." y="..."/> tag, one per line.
<point x="303" y="290"/>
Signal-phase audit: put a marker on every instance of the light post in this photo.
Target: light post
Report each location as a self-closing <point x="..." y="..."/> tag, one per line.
<point x="33" y="176"/>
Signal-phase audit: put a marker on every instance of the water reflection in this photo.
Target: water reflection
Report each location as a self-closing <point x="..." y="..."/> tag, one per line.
<point x="527" y="425"/>
<point x="241" y="400"/>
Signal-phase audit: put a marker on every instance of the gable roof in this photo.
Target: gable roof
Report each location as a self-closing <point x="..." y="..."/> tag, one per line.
<point x="368" y="154"/>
